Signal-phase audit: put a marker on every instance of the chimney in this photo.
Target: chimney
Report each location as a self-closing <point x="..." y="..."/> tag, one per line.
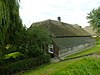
<point x="59" y="19"/>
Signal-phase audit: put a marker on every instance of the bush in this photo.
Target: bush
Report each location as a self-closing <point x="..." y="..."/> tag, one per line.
<point x="11" y="57"/>
<point x="97" y="40"/>
<point x="25" y="65"/>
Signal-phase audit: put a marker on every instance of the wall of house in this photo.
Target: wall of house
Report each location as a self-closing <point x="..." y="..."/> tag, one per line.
<point x="77" y="48"/>
<point x="55" y="50"/>
<point x="72" y="50"/>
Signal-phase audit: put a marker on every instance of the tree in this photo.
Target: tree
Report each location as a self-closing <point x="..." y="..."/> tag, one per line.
<point x="38" y="37"/>
<point x="4" y="20"/>
<point x="15" y="25"/>
<point x="94" y="18"/>
<point x="10" y="23"/>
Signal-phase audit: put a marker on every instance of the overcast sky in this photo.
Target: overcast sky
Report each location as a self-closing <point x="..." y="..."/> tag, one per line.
<point x="70" y="11"/>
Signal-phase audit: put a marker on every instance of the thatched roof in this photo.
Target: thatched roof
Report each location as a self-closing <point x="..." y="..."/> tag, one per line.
<point x="57" y="28"/>
<point x="65" y="35"/>
<point x="68" y="42"/>
<point x="90" y="30"/>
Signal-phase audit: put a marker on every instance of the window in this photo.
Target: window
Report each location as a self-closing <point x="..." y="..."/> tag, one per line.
<point x="50" y="48"/>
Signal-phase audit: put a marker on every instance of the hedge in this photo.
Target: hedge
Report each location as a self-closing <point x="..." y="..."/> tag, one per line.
<point x="24" y="65"/>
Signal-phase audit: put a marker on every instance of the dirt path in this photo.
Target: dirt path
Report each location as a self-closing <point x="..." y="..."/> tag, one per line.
<point x="96" y="55"/>
<point x="53" y="60"/>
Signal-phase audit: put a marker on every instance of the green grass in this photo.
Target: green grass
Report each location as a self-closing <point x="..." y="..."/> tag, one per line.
<point x="82" y="66"/>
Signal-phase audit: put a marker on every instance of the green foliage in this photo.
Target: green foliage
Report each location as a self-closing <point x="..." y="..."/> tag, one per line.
<point x="94" y="18"/>
<point x="38" y="35"/>
<point x="10" y="24"/>
<point x="14" y="55"/>
<point x="16" y="40"/>
<point x="4" y="20"/>
<point x="11" y="57"/>
<point x="7" y="14"/>
<point x="20" y="42"/>
<point x="24" y="65"/>
<point x="97" y="40"/>
<point x="38" y="38"/>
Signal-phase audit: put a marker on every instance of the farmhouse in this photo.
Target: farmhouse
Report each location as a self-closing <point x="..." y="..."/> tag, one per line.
<point x="66" y="38"/>
<point x="90" y="30"/>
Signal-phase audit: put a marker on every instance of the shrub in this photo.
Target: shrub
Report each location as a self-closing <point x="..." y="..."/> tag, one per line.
<point x="97" y="40"/>
<point x="11" y="57"/>
<point x="25" y="65"/>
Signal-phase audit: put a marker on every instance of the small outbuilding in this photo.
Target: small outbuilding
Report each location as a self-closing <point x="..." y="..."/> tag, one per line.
<point x="66" y="38"/>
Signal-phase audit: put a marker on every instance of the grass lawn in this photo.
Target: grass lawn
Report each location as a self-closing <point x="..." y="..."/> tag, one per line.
<point x="82" y="66"/>
<point x="89" y="65"/>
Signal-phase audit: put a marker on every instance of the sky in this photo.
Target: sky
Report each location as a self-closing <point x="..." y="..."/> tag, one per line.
<point x="70" y="11"/>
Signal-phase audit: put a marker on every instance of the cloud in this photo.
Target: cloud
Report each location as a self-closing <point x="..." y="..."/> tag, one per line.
<point x="71" y="11"/>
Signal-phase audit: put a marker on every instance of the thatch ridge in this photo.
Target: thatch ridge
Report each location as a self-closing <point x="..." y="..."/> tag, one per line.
<point x="58" y="28"/>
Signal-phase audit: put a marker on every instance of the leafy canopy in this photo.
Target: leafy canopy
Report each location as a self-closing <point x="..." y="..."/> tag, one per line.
<point x="11" y="28"/>
<point x="38" y="38"/>
<point x="94" y="18"/>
